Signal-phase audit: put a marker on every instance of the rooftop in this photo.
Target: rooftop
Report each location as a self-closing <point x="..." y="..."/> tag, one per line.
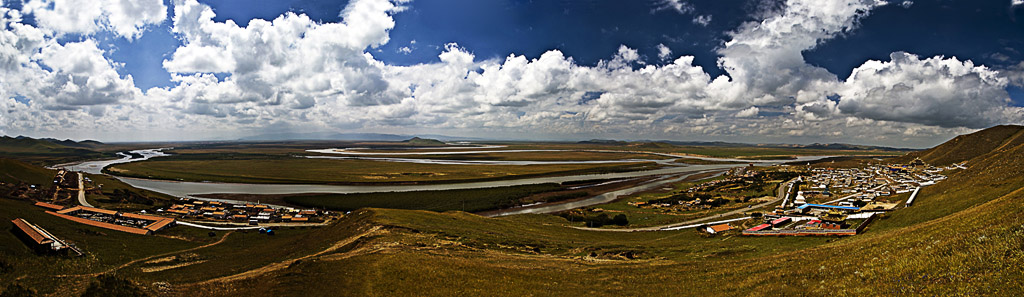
<point x="31" y="231"/>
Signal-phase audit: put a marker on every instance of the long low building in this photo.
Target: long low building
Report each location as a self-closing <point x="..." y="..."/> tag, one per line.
<point x="823" y="232"/>
<point x="39" y="239"/>
<point x="826" y="206"/>
<point x="114" y="220"/>
<point x="106" y="225"/>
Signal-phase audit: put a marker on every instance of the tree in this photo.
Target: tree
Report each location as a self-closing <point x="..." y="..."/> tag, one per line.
<point x="599" y="220"/>
<point x="620" y="219"/>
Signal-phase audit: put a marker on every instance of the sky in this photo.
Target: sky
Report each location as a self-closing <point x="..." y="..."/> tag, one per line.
<point x="894" y="73"/>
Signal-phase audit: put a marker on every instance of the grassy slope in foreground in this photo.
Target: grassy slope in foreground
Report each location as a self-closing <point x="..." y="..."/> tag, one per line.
<point x="259" y="169"/>
<point x="105" y="249"/>
<point x="966" y="147"/>
<point x="14" y="171"/>
<point x="176" y="255"/>
<point x="963" y="236"/>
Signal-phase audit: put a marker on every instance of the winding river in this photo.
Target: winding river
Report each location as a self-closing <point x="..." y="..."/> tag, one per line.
<point x="96" y="167"/>
<point x="669" y="175"/>
<point x="182" y="189"/>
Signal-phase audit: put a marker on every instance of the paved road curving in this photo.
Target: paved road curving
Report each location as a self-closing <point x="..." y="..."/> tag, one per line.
<point x="81" y="191"/>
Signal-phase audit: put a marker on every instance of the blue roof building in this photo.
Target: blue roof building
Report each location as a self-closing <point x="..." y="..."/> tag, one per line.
<point x="849" y="208"/>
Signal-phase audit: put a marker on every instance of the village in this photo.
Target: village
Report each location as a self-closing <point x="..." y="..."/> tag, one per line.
<point x="59" y="200"/>
<point x="842" y="202"/>
<point x="252" y="214"/>
<point x="809" y="200"/>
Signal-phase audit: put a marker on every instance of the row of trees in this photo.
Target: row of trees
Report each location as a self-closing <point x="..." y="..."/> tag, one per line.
<point x="595" y="221"/>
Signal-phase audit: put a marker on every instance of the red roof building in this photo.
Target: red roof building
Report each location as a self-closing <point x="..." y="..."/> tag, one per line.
<point x="760" y="227"/>
<point x="781" y="221"/>
<point x="39" y="239"/>
<point x="49" y="205"/>
<point x="719" y="228"/>
<point x="102" y="224"/>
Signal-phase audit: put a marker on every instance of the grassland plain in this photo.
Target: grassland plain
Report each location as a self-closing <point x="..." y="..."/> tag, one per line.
<point x="470" y="200"/>
<point x="532" y="156"/>
<point x="963" y="237"/>
<point x="706" y="151"/>
<point x="111" y="193"/>
<point x="763" y="152"/>
<point x="243" y="168"/>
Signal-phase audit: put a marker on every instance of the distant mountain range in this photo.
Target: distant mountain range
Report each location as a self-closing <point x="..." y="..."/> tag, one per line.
<point x="348" y="137"/>
<point x="669" y="143"/>
<point x="25" y="143"/>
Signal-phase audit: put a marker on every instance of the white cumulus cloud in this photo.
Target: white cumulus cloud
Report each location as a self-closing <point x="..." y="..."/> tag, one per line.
<point x="702" y="20"/>
<point x="126" y="18"/>
<point x="748" y="113"/>
<point x="935" y="91"/>
<point x="292" y="72"/>
<point x="664" y="52"/>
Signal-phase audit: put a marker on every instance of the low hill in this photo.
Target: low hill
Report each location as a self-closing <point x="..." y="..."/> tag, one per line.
<point x="966" y="147"/>
<point x="424" y="142"/>
<point x="652" y="145"/>
<point x="90" y="144"/>
<point x="603" y="142"/>
<point x="48" y="151"/>
<point x="845" y="146"/>
<point x="722" y="144"/>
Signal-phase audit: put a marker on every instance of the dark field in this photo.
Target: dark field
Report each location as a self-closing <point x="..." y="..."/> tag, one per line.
<point x="470" y="200"/>
<point x="243" y="168"/>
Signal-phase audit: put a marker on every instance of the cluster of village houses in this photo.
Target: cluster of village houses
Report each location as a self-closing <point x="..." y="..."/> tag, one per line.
<point x="862" y="186"/>
<point x="843" y="201"/>
<point x="242" y="213"/>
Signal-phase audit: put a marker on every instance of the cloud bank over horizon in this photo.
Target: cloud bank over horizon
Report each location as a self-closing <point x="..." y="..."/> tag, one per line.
<point x="294" y="73"/>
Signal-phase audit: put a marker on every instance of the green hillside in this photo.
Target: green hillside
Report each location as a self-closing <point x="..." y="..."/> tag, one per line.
<point x="966" y="147"/>
<point x="47" y="151"/>
<point x="14" y="171"/>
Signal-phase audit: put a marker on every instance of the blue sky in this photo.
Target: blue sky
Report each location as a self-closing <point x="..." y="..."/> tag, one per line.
<point x="590" y="31"/>
<point x="590" y="36"/>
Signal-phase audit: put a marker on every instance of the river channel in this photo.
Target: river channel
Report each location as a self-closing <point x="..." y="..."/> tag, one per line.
<point x="188" y="189"/>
